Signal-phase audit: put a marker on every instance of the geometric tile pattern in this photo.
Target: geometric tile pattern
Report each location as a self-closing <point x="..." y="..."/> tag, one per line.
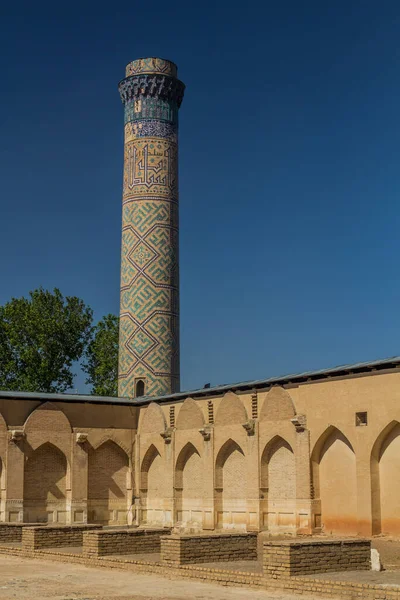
<point x="149" y="309"/>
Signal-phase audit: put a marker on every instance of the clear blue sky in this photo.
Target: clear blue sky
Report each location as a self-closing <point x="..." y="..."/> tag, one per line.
<point x="289" y="171"/>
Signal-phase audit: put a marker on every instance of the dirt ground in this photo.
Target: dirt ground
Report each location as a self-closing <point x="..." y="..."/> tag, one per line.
<point x="25" y="579"/>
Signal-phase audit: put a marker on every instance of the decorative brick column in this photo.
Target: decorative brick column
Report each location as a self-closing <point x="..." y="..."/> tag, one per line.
<point x="149" y="308"/>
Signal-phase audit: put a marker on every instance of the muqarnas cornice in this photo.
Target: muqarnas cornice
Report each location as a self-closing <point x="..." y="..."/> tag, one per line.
<point x="151" y="86"/>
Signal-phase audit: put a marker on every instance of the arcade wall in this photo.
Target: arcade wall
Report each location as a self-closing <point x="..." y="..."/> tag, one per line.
<point x="318" y="456"/>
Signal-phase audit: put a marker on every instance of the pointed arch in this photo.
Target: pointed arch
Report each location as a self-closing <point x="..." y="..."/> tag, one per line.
<point x="49" y="418"/>
<point x="231" y="486"/>
<point x="112" y="438"/>
<point x="183" y="457"/>
<point x="45" y="484"/>
<point x="150" y="456"/>
<point x="385" y="472"/>
<point x="153" y="419"/>
<point x="278" y="486"/>
<point x="316" y="454"/>
<point x="272" y="447"/>
<point x="190" y="416"/>
<point x="278" y="405"/>
<point x="226" y="450"/>
<point x="189" y="486"/>
<point x="231" y="411"/>
<point x="334" y="478"/>
<point x="154" y="488"/>
<point x="108" y="479"/>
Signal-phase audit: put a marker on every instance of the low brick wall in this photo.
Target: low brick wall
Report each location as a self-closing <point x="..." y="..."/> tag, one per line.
<point x="187" y="549"/>
<point x="286" y="558"/>
<point x="122" y="541"/>
<point x="310" y="586"/>
<point x="49" y="536"/>
<point x="12" y="532"/>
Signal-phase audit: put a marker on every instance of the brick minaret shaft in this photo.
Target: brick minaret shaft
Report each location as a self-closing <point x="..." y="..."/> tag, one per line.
<point x="149" y="310"/>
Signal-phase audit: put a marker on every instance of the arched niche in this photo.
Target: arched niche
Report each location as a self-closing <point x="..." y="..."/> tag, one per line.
<point x="278" y="471"/>
<point x="108" y="475"/>
<point x="278" y="486"/>
<point x="153" y="420"/>
<point x="154" y="487"/>
<point x="385" y="473"/>
<point x="231" y="486"/>
<point x="277" y="406"/>
<point x="150" y="456"/>
<point x="333" y="464"/>
<point x="187" y="452"/>
<point x="45" y="485"/>
<point x="189" y="488"/>
<point x="231" y="411"/>
<point x="190" y="416"/>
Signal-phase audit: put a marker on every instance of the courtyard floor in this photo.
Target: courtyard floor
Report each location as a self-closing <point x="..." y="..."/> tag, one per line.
<point x="25" y="579"/>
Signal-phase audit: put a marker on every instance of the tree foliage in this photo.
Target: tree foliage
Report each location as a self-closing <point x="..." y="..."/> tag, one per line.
<point x="40" y="339"/>
<point x="102" y="357"/>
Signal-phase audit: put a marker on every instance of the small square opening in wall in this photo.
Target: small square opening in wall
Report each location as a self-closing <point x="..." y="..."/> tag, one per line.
<point x="361" y="419"/>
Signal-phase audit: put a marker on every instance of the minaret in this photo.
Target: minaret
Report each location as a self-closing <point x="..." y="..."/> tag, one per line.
<point x="149" y="309"/>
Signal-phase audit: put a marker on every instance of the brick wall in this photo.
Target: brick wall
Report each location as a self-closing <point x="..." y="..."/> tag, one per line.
<point x="12" y="532"/>
<point x="286" y="558"/>
<point x="122" y="541"/>
<point x="345" y="590"/>
<point x="180" y="550"/>
<point x="34" y="538"/>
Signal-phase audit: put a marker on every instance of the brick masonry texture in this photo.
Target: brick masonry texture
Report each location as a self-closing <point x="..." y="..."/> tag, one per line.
<point x="283" y="559"/>
<point x="135" y="470"/>
<point x="12" y="532"/>
<point x="34" y="538"/>
<point x="181" y="550"/>
<point x="294" y="585"/>
<point x="122" y="541"/>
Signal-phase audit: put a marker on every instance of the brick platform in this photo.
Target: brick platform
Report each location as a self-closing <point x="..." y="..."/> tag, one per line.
<point x="12" y="532"/>
<point x="53" y="536"/>
<point x="348" y="590"/>
<point x="122" y="541"/>
<point x="287" y="558"/>
<point x="187" y="549"/>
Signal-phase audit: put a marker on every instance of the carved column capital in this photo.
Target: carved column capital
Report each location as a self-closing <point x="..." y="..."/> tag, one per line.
<point x="206" y="433"/>
<point x="249" y="426"/>
<point x="300" y="422"/>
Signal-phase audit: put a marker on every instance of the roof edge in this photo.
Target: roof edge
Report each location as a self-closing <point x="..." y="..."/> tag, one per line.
<point x="341" y="370"/>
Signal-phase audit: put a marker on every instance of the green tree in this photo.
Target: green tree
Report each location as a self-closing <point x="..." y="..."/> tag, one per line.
<point x="40" y="339"/>
<point x="102" y="357"/>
